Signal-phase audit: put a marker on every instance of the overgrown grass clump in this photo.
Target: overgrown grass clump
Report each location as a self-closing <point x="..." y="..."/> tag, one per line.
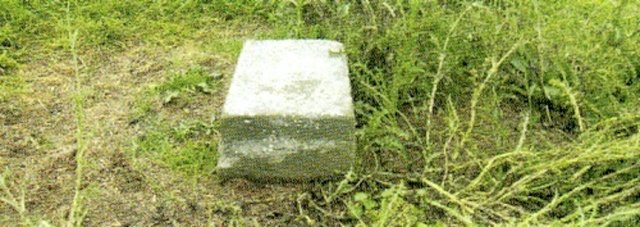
<point x="487" y="112"/>
<point x="469" y="112"/>
<point x="185" y="146"/>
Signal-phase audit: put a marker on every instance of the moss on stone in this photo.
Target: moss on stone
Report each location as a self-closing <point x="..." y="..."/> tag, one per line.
<point x="285" y="148"/>
<point x="236" y="128"/>
<point x="296" y="164"/>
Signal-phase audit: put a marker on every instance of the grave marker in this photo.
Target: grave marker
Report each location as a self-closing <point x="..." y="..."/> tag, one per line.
<point x="288" y="114"/>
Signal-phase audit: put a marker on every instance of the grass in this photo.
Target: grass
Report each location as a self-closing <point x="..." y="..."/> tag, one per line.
<point x="184" y="148"/>
<point x="469" y="112"/>
<point x="76" y="214"/>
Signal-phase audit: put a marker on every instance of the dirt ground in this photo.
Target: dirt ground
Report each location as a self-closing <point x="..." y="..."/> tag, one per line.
<point x="38" y="146"/>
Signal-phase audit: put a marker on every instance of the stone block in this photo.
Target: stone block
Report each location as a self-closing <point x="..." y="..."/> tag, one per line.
<point x="288" y="114"/>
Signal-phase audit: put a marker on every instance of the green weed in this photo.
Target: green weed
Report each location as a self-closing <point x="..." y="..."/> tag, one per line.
<point x="178" y="90"/>
<point x="187" y="148"/>
<point x="77" y="212"/>
<point x="194" y="80"/>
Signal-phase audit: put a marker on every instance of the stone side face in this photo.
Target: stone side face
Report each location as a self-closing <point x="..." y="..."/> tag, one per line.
<point x="289" y="113"/>
<point x="285" y="148"/>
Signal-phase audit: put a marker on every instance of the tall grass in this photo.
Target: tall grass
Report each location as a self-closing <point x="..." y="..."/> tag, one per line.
<point x="456" y="99"/>
<point x="76" y="214"/>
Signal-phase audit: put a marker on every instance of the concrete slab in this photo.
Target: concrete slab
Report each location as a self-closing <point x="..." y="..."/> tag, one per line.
<point x="288" y="114"/>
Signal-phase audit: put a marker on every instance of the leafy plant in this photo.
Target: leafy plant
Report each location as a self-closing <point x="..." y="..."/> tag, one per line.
<point x="193" y="81"/>
<point x="186" y="148"/>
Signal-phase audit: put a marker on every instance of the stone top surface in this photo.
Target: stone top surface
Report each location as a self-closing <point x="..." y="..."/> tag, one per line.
<point x="307" y="78"/>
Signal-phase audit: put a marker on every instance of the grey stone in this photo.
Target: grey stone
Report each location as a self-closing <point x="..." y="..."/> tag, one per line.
<point x="288" y="114"/>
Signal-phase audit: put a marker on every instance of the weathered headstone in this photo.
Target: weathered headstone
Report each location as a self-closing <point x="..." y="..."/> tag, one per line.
<point x="288" y="114"/>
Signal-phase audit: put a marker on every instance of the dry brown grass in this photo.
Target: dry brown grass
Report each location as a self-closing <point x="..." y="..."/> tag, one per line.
<point x="120" y="190"/>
